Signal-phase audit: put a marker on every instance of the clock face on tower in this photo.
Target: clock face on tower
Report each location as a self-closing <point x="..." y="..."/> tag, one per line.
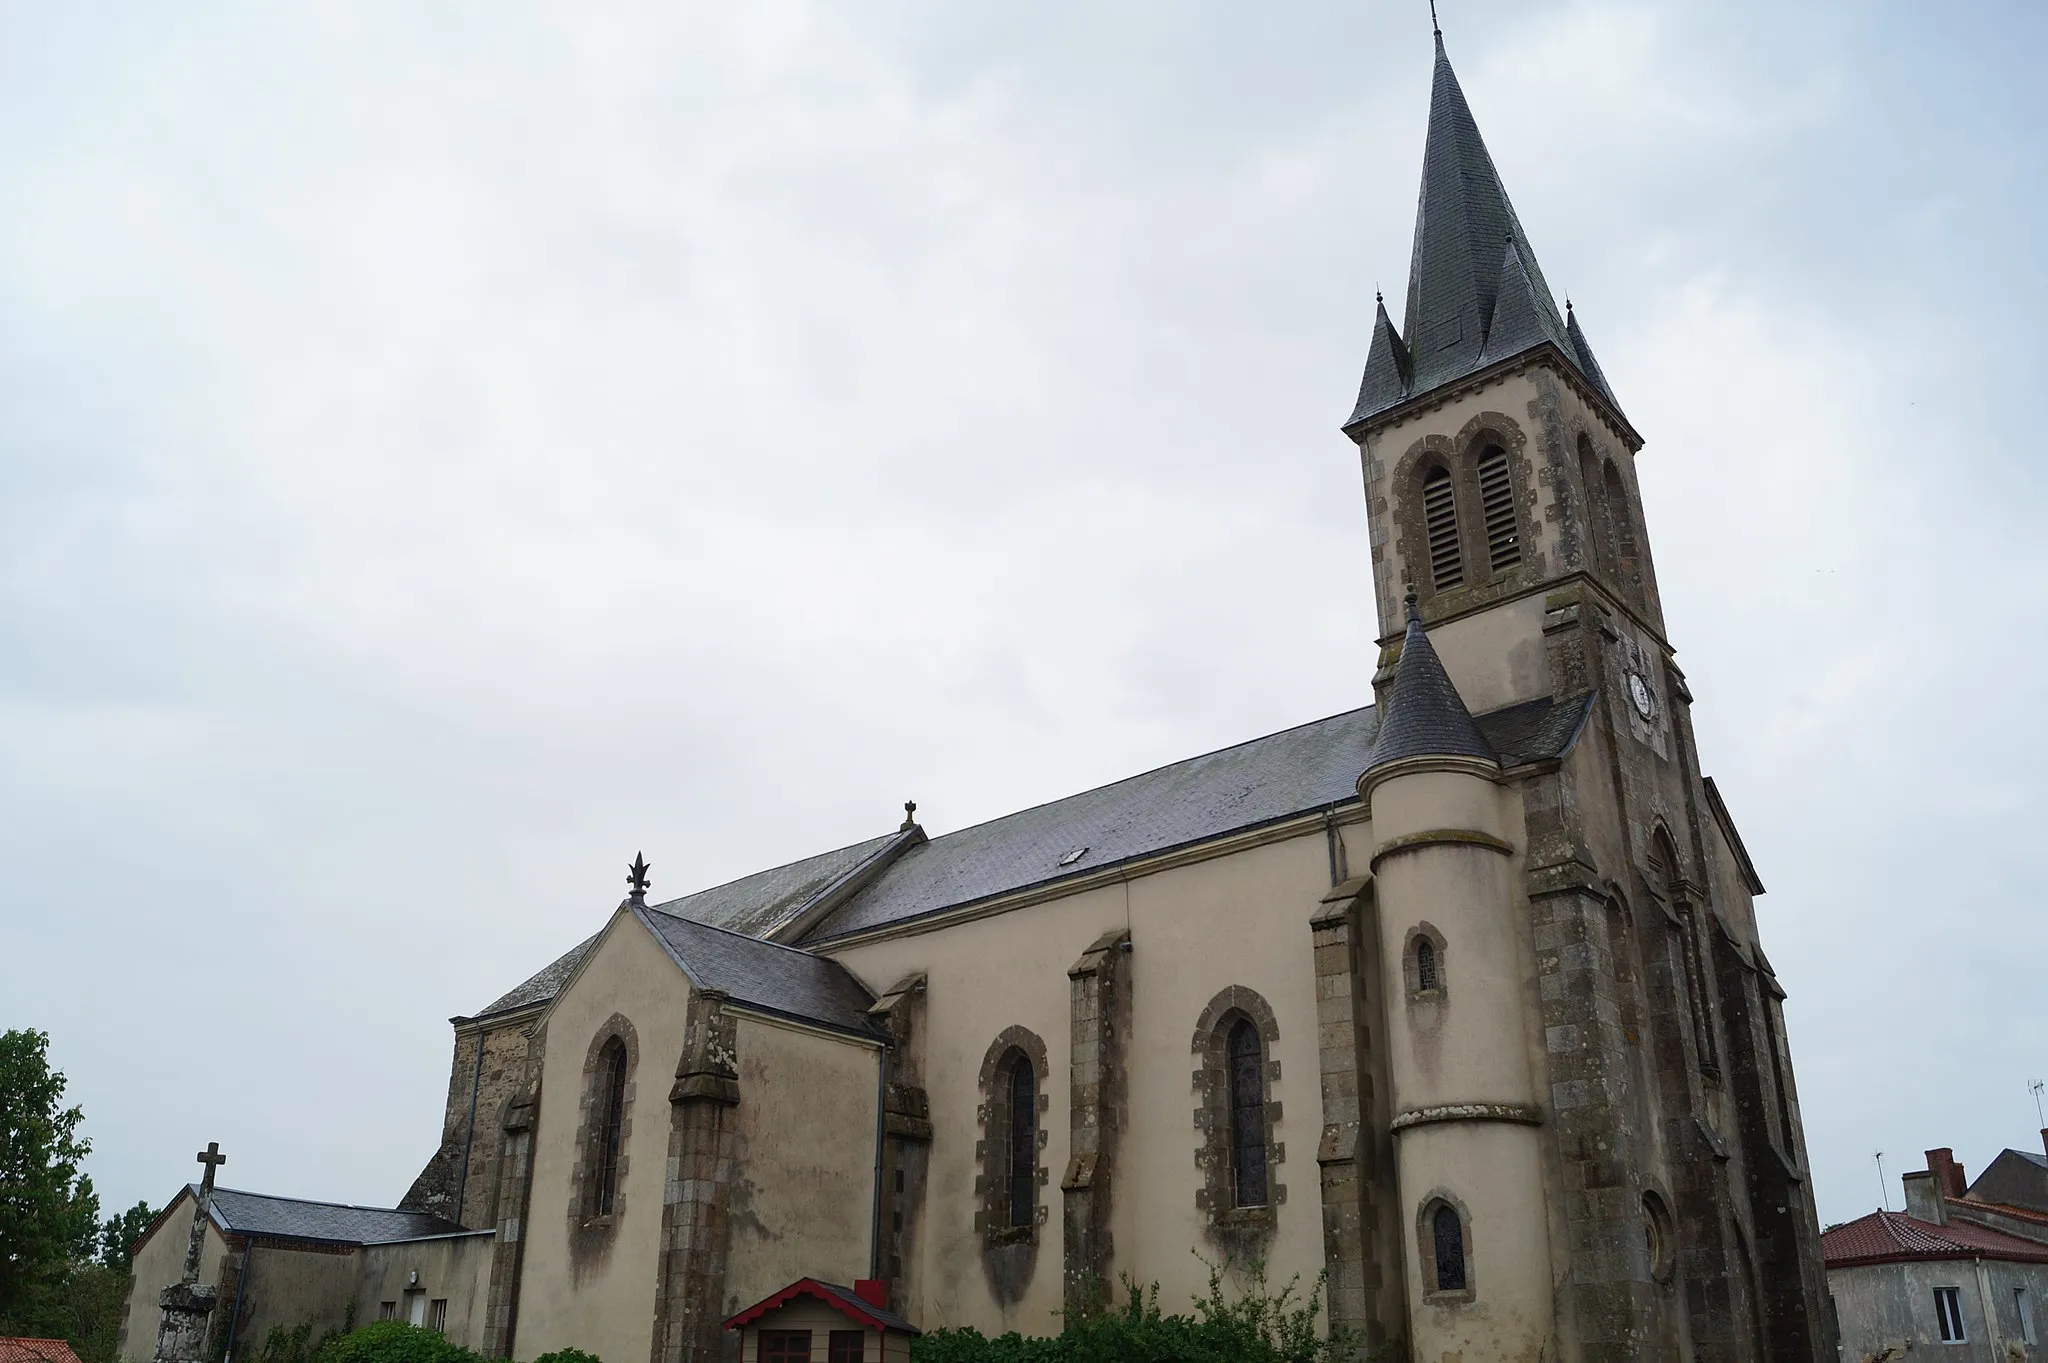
<point x="1641" y="696"/>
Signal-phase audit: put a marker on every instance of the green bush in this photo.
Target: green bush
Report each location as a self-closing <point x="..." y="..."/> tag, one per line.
<point x="1256" y="1326"/>
<point x="393" y="1341"/>
<point x="568" y="1356"/>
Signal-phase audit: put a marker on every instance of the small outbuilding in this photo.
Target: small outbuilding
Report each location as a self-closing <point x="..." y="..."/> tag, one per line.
<point x="819" y="1322"/>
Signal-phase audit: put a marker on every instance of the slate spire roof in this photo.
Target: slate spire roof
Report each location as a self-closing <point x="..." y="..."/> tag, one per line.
<point x="1475" y="292"/>
<point x="1426" y="717"/>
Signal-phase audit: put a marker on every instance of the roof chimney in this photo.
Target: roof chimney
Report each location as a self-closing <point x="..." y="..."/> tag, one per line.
<point x="1948" y="1175"/>
<point x="1923" y="1197"/>
<point x="873" y="1291"/>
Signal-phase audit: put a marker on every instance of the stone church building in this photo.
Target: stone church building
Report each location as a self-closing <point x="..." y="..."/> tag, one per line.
<point x="1457" y="997"/>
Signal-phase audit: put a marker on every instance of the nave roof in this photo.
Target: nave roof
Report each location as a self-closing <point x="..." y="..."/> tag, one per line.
<point x="1304" y="770"/>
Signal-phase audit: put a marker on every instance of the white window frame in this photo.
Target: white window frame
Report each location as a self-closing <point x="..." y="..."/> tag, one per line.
<point x="1948" y="1315"/>
<point x="2019" y="1307"/>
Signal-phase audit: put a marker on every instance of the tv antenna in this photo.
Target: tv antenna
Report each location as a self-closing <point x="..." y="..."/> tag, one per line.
<point x="2035" y="1089"/>
<point x="1884" y="1190"/>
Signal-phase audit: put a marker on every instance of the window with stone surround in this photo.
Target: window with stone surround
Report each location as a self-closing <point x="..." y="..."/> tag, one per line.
<point x="605" y="1123"/>
<point x="1621" y="521"/>
<point x="1423" y="962"/>
<point x="1234" y="1042"/>
<point x="1444" y="1231"/>
<point x="1011" y="1151"/>
<point x="1666" y="879"/>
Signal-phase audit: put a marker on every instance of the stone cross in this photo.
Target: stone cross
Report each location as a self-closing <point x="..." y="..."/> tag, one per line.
<point x="181" y="1335"/>
<point x="212" y="1158"/>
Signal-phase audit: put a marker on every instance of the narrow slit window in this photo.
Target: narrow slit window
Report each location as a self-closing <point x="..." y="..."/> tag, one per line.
<point x="1248" y="1114"/>
<point x="1425" y="965"/>
<point x="1440" y="520"/>
<point x="1447" y="1234"/>
<point x="1023" y="1141"/>
<point x="611" y="1069"/>
<point x="1497" y="508"/>
<point x="1948" y="1314"/>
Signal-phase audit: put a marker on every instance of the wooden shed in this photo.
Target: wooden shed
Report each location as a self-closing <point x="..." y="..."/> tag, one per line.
<point x="819" y="1322"/>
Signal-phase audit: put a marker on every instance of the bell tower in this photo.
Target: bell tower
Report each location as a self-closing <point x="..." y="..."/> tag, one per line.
<point x="1498" y="464"/>
<point x="1596" y="1137"/>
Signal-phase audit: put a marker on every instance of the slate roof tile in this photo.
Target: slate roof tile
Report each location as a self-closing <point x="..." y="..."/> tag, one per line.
<point x="293" y="1218"/>
<point x="786" y="980"/>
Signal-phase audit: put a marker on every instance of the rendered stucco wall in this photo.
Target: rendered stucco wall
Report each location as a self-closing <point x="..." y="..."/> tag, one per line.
<point x="802" y="1201"/>
<point x="451" y="1268"/>
<point x="582" y="1290"/>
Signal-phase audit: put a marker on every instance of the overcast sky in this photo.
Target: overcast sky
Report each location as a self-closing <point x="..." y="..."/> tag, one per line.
<point x="447" y="449"/>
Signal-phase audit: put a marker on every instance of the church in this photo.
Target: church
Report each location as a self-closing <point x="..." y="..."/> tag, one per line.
<point x="1455" y="999"/>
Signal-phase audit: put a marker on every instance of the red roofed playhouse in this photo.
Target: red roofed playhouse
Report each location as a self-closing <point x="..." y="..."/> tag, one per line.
<point x="1963" y="1272"/>
<point x="818" y="1322"/>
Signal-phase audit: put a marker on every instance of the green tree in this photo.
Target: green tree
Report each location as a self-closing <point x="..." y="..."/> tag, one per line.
<point x="118" y="1235"/>
<point x="49" y="1215"/>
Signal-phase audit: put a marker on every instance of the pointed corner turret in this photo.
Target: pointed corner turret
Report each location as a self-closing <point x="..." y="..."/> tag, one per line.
<point x="1388" y="369"/>
<point x="1582" y="351"/>
<point x="1522" y="318"/>
<point x="1426" y="717"/>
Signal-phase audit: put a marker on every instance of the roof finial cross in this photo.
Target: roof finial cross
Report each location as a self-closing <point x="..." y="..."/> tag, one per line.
<point x="636" y="878"/>
<point x="909" y="816"/>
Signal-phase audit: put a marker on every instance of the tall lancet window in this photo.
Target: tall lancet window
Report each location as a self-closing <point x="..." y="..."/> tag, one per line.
<point x="1440" y="523"/>
<point x="611" y="1107"/>
<point x="1248" y="1113"/>
<point x="1023" y="1140"/>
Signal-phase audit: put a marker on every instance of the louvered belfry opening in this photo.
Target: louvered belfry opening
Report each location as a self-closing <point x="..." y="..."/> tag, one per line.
<point x="1497" y="509"/>
<point x="1440" y="520"/>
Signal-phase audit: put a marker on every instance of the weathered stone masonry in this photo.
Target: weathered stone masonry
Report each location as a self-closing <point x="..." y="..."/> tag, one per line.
<point x="1100" y="1010"/>
<point x="696" y="1213"/>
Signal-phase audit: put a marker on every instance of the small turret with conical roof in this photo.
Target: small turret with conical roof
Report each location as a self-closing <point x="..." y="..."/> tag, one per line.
<point x="1426" y="717"/>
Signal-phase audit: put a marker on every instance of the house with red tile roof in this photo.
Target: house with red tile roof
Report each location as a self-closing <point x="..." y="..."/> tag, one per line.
<point x="36" y="1351"/>
<point x="1952" y="1273"/>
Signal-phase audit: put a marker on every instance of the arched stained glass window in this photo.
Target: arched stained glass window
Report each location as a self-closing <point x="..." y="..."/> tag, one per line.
<point x="1023" y="1141"/>
<point x="1248" y="1113"/>
<point x="611" y="1108"/>
<point x="1425" y="965"/>
<point x="1447" y="1236"/>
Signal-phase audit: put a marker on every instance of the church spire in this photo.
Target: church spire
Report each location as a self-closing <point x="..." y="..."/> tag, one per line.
<point x="1426" y="717"/>
<point x="1475" y="292"/>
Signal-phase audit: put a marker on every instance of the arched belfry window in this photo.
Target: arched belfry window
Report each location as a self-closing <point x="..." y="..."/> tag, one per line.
<point x="1497" y="510"/>
<point x="1021" y="1173"/>
<point x="610" y="1127"/>
<point x="1440" y="524"/>
<point x="1247" y="1114"/>
<point x="1621" y="525"/>
<point x="1599" y="550"/>
<point x="1665" y="876"/>
<point x="1447" y="1246"/>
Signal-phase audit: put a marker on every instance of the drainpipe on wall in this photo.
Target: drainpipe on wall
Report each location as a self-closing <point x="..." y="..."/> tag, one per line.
<point x="476" y="1080"/>
<point x="241" y="1286"/>
<point x="881" y="1135"/>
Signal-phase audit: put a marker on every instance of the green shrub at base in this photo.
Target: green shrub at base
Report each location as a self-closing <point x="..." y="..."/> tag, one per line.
<point x="394" y="1341"/>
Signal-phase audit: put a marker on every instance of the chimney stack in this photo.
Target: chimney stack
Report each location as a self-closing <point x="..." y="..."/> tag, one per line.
<point x="1948" y="1175"/>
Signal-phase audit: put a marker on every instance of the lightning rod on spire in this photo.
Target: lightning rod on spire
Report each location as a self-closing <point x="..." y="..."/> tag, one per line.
<point x="1434" y="26"/>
